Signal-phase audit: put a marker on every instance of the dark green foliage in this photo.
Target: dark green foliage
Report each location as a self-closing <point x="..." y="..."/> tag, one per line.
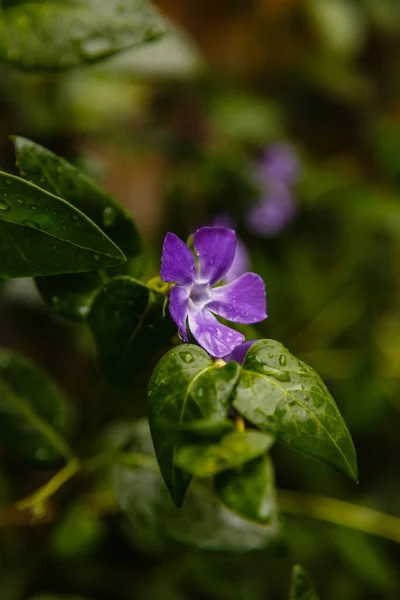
<point x="301" y="587"/>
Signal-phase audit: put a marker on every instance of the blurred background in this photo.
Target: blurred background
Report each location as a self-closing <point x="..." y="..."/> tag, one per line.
<point x="281" y="117"/>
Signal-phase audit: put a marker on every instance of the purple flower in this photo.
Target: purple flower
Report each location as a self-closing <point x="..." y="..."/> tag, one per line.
<point x="241" y="260"/>
<point x="239" y="352"/>
<point x="195" y="300"/>
<point x="277" y="173"/>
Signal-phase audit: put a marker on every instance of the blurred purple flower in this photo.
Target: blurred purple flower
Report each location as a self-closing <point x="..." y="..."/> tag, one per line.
<point x="278" y="171"/>
<point x="241" y="260"/>
<point x="194" y="297"/>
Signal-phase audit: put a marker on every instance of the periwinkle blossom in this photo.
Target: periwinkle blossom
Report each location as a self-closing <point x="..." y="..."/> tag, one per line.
<point x="241" y="260"/>
<point x="239" y="353"/>
<point x="196" y="298"/>
<point x="277" y="174"/>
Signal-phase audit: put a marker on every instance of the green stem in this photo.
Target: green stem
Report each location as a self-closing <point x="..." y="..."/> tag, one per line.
<point x="36" y="502"/>
<point x="342" y="513"/>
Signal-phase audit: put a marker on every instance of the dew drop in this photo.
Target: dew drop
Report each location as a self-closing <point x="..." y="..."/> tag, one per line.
<point x="276" y="373"/>
<point x="20" y="201"/>
<point x="64" y="227"/>
<point x="109" y="216"/>
<point x="75" y="217"/>
<point x="33" y="207"/>
<point x="4" y="206"/>
<point x="96" y="256"/>
<point x="41" y="454"/>
<point x="282" y="360"/>
<point x="95" y="46"/>
<point x="186" y="357"/>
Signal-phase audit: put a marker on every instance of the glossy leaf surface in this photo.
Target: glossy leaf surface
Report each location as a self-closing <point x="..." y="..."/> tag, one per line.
<point x="77" y="31"/>
<point x="128" y="326"/>
<point x="185" y="386"/>
<point x="202" y="522"/>
<point x="301" y="586"/>
<point x="233" y="450"/>
<point x="250" y="490"/>
<point x="34" y="414"/>
<point x="279" y="393"/>
<point x="41" y="234"/>
<point x="69" y="296"/>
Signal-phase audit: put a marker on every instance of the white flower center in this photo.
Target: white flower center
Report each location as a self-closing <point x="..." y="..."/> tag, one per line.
<point x="200" y="294"/>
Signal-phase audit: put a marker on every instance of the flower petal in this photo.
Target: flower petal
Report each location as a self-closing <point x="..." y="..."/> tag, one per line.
<point x="239" y="352"/>
<point x="178" y="308"/>
<point x="273" y="214"/>
<point x="240" y="264"/>
<point x="215" y="247"/>
<point x="177" y="262"/>
<point x="242" y="301"/>
<point x="216" y="339"/>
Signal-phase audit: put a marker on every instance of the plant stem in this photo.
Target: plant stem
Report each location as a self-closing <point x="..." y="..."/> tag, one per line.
<point x="361" y="518"/>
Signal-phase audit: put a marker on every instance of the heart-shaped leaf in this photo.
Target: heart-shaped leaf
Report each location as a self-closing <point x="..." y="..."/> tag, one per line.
<point x="279" y="393"/>
<point x="34" y="415"/>
<point x="250" y="490"/>
<point x="56" y="34"/>
<point x="127" y="323"/>
<point x="41" y="234"/>
<point x="301" y="587"/>
<point x="185" y="386"/>
<point x="202" y="522"/>
<point x="233" y="450"/>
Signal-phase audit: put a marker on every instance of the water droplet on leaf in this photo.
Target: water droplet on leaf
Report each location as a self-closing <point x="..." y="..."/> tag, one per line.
<point x="109" y="216"/>
<point x="282" y="360"/>
<point x="4" y="206"/>
<point x="186" y="357"/>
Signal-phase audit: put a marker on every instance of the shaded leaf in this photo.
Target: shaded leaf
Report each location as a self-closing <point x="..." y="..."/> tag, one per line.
<point x="41" y="234"/>
<point x="279" y="393"/>
<point x="250" y="490"/>
<point x="301" y="586"/>
<point x="203" y="429"/>
<point x="128" y="326"/>
<point x="34" y="414"/>
<point x="233" y="450"/>
<point x="55" y="34"/>
<point x="186" y="386"/>
<point x="202" y="522"/>
<point x="70" y="296"/>
<point x="57" y="176"/>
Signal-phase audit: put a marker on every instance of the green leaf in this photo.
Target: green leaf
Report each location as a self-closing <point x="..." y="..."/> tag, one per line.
<point x="41" y="234"/>
<point x="57" y="176"/>
<point x="250" y="490"/>
<point x="301" y="587"/>
<point x="202" y="522"/>
<point x="56" y="34"/>
<point x="34" y="415"/>
<point x="279" y="393"/>
<point x="201" y="430"/>
<point x="70" y="296"/>
<point x="233" y="450"/>
<point x="128" y="326"/>
<point x="185" y="386"/>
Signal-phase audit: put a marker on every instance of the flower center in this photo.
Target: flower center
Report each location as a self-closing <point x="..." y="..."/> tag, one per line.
<point x="200" y="294"/>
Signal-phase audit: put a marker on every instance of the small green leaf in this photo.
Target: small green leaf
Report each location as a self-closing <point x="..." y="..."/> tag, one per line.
<point x="301" y="587"/>
<point x="185" y="386"/>
<point x="233" y="450"/>
<point x="56" y="34"/>
<point x="57" y="176"/>
<point x="250" y="490"/>
<point x="34" y="415"/>
<point x="203" y="521"/>
<point x="128" y="326"/>
<point x="201" y="430"/>
<point x="70" y="296"/>
<point x="41" y="234"/>
<point x="279" y="393"/>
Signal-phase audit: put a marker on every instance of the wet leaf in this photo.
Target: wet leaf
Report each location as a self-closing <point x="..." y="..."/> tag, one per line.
<point x="301" y="587"/>
<point x="56" y="34"/>
<point x="279" y="393"/>
<point x="70" y="296"/>
<point x="186" y="386"/>
<point x="201" y="430"/>
<point x="34" y="414"/>
<point x="250" y="490"/>
<point x="233" y="450"/>
<point x="128" y="326"/>
<point x="202" y="522"/>
<point x="41" y="234"/>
